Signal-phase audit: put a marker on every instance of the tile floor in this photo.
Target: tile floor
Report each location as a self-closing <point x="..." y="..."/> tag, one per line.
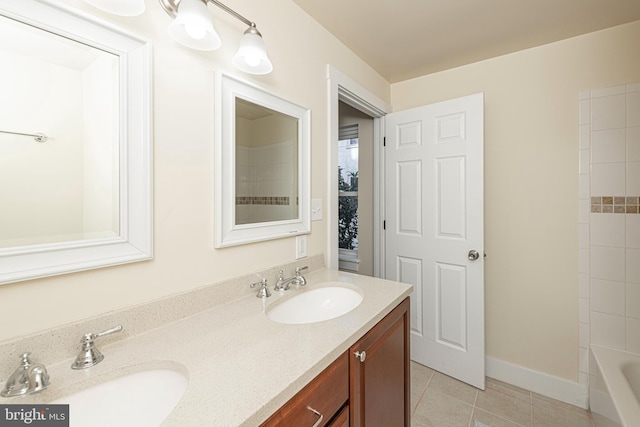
<point x="441" y="401"/>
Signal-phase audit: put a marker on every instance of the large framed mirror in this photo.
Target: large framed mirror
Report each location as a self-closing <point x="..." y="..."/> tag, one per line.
<point x="75" y="142"/>
<point x="262" y="164"/>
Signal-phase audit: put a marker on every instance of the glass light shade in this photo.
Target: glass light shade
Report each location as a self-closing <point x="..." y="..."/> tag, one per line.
<point x="119" y="7"/>
<point x="252" y="54"/>
<point x="193" y="28"/>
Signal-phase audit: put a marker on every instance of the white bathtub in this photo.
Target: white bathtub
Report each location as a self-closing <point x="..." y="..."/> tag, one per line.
<point x="614" y="387"/>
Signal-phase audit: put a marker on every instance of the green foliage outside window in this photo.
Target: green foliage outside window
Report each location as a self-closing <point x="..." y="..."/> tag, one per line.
<point x="347" y="212"/>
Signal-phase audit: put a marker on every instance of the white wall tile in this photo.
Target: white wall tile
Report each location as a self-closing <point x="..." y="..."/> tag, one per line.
<point x="633" y="109"/>
<point x="584" y="335"/>
<point x="633" y="266"/>
<point x="584" y="112"/>
<point x="608" y="330"/>
<point x="583" y="378"/>
<point x="607" y="263"/>
<point x="584" y="162"/>
<point x="584" y="182"/>
<point x="608" y="112"/>
<point x="633" y="300"/>
<point x="583" y="261"/>
<point x="583" y="359"/>
<point x="633" y="144"/>
<point x="608" y="146"/>
<point x="633" y="231"/>
<point x="584" y="209"/>
<point x="607" y="297"/>
<point x="583" y="285"/>
<point x="607" y="230"/>
<point x="633" y="178"/>
<point x="583" y="310"/>
<point x="583" y="236"/>
<point x="633" y="335"/>
<point x="608" y="91"/>
<point x="584" y="137"/>
<point x="608" y="179"/>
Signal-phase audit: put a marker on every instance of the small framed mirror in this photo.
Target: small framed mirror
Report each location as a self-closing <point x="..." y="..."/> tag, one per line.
<point x="75" y="142"/>
<point x="262" y="164"/>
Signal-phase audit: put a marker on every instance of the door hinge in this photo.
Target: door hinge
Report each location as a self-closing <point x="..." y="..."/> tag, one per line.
<point x="384" y="225"/>
<point x="384" y="141"/>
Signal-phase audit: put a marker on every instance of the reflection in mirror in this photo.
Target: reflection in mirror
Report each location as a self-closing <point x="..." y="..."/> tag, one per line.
<point x="65" y="188"/>
<point x="262" y="165"/>
<point x="79" y="198"/>
<point x="266" y="164"/>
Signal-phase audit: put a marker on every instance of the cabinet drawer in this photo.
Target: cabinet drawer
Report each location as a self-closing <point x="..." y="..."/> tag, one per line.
<point x="326" y="393"/>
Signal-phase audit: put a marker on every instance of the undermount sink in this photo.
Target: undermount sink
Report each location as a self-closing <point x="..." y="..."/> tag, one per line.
<point x="143" y="398"/>
<point x="329" y="301"/>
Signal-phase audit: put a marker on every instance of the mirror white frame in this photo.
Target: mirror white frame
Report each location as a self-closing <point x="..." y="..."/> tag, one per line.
<point x="135" y="240"/>
<point x="227" y="232"/>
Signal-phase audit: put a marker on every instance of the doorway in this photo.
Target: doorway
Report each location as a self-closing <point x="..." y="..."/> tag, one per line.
<point x="355" y="191"/>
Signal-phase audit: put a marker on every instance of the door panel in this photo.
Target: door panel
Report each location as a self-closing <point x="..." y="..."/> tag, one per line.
<point x="434" y="216"/>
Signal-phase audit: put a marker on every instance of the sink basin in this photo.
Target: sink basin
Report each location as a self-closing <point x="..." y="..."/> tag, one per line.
<point x="143" y="398"/>
<point x="331" y="300"/>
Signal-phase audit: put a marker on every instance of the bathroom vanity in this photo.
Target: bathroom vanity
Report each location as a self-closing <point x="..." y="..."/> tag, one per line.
<point x="242" y="368"/>
<point x="366" y="385"/>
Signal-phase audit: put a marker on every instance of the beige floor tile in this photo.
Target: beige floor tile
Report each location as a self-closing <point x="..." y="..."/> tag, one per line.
<point x="505" y="401"/>
<point x="511" y="390"/>
<point x="440" y="410"/>
<point x="491" y="420"/>
<point x="420" y="377"/>
<point x="555" y="414"/>
<point x="454" y="388"/>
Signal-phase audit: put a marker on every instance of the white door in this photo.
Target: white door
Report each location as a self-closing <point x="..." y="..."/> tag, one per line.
<point x="434" y="230"/>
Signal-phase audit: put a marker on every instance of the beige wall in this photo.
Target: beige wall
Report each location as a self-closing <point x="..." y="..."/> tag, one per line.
<point x="531" y="161"/>
<point x="184" y="257"/>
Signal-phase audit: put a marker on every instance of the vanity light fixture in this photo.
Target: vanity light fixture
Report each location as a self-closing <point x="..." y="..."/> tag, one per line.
<point x="119" y="7"/>
<point x="193" y="28"/>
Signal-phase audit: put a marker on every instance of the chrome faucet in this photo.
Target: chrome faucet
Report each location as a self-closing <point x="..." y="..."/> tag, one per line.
<point x="263" y="292"/>
<point x="28" y="378"/>
<point x="282" y="284"/>
<point x="90" y="355"/>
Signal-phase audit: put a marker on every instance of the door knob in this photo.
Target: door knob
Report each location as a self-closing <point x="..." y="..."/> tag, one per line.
<point x="473" y="255"/>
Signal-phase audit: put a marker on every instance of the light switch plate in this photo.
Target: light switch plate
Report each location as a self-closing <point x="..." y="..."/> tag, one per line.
<point x="301" y="247"/>
<point x="316" y="209"/>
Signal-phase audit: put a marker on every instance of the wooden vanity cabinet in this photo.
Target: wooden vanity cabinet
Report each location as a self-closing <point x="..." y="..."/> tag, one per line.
<point x="327" y="393"/>
<point x="379" y="374"/>
<point x="369" y="385"/>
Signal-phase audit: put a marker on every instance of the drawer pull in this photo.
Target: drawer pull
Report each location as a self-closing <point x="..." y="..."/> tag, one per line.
<point x="318" y="414"/>
<point x="361" y="355"/>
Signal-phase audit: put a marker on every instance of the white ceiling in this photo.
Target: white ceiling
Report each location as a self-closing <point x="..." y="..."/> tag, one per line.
<point x="402" y="39"/>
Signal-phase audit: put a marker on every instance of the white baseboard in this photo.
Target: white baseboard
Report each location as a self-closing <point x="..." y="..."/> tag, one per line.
<point x="538" y="382"/>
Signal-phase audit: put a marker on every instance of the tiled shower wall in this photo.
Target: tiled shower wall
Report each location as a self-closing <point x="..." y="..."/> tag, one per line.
<point x="609" y="220"/>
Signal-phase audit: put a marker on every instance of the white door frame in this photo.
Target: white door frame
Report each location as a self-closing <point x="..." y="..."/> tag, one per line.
<point x="342" y="88"/>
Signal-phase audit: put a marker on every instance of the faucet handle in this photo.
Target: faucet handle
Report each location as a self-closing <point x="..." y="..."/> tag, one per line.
<point x="300" y="278"/>
<point x="90" y="355"/>
<point x="263" y="292"/>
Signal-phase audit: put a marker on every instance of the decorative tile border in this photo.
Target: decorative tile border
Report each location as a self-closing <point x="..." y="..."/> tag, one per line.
<point x="615" y="204"/>
<point x="270" y="200"/>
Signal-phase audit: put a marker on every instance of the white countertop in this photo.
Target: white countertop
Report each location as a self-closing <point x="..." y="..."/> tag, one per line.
<point x="241" y="366"/>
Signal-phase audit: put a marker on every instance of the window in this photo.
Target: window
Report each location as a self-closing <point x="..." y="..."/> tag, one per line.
<point x="348" y="190"/>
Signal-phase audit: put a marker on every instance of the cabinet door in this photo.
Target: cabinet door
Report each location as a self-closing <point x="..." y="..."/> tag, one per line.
<point x="379" y="373"/>
<point x="326" y="394"/>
